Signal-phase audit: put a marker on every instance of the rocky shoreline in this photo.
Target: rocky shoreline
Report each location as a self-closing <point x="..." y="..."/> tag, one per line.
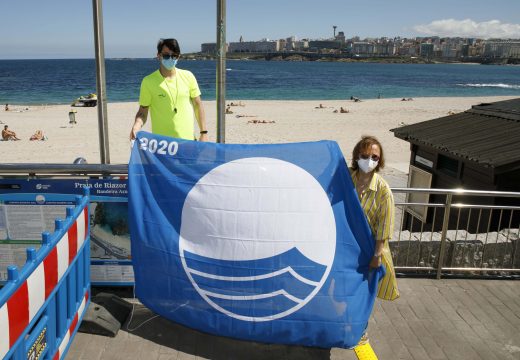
<point x="330" y="57"/>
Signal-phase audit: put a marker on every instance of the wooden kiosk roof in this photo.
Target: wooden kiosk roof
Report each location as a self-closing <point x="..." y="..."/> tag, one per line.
<point x="488" y="134"/>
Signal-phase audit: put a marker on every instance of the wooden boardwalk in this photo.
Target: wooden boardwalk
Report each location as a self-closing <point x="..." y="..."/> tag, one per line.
<point x="433" y="319"/>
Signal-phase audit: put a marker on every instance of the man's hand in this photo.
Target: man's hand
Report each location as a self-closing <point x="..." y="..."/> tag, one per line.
<point x="135" y="130"/>
<point x="140" y="119"/>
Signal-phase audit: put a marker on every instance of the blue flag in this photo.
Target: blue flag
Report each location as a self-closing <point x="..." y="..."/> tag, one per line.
<point x="259" y="242"/>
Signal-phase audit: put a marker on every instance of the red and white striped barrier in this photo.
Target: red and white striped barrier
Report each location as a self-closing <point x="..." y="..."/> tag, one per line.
<point x="72" y="328"/>
<point x="29" y="297"/>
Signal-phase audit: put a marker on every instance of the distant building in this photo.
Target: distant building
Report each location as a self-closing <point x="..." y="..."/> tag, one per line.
<point x="291" y="44"/>
<point x="363" y="48"/>
<point x="407" y="49"/>
<point x="341" y="38"/>
<point x="264" y="45"/>
<point x="385" y="49"/>
<point x="426" y="50"/>
<point x="301" y="45"/>
<point x="432" y="47"/>
<point x="209" y="48"/>
<point x="502" y="49"/>
<point x="324" y="44"/>
<point x="449" y="51"/>
<point x="465" y="50"/>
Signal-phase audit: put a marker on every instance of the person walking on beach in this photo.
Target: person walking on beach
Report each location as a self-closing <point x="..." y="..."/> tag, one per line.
<point x="8" y="134"/>
<point x="172" y="96"/>
<point x="377" y="202"/>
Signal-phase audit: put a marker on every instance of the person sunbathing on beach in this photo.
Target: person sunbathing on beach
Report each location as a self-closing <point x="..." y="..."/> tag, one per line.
<point x="38" y="135"/>
<point x="228" y="110"/>
<point x="320" y="107"/>
<point x="8" y="134"/>
<point x="238" y="104"/>
<point x="260" y="122"/>
<point x="343" y="111"/>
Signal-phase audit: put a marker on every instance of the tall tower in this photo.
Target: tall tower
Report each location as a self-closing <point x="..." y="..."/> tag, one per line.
<point x="334" y="27"/>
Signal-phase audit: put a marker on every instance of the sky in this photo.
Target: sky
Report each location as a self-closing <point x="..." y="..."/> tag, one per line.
<point x="60" y="29"/>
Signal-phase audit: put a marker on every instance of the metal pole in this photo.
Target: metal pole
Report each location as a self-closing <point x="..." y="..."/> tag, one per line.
<point x="104" y="152"/>
<point x="221" y="71"/>
<point x="444" y="230"/>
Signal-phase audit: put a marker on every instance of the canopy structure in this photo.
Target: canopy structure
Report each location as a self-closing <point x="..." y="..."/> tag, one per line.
<point x="97" y="6"/>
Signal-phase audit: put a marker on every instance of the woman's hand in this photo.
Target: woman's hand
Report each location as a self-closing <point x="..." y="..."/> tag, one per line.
<point x="376" y="262"/>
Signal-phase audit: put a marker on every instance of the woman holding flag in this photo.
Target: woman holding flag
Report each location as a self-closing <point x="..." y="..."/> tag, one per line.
<point x="377" y="202"/>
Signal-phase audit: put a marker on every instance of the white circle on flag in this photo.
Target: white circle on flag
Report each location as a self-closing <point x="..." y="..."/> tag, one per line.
<point x="254" y="209"/>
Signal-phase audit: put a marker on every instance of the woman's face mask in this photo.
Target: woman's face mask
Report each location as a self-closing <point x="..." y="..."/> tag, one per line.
<point x="367" y="165"/>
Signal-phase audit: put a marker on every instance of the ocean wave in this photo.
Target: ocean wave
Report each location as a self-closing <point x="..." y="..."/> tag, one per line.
<point x="499" y="85"/>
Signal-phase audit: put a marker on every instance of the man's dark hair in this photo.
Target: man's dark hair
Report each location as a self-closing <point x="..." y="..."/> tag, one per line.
<point x="171" y="44"/>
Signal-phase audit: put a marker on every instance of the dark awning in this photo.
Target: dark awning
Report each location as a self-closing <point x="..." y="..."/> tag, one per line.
<point x="488" y="134"/>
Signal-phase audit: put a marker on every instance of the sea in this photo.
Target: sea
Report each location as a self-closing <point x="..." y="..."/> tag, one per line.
<point x="34" y="82"/>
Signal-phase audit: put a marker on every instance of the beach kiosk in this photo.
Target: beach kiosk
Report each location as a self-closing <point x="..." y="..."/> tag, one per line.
<point x="475" y="149"/>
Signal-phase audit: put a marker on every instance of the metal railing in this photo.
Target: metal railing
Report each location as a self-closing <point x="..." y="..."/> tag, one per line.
<point x="467" y="232"/>
<point x="63" y="169"/>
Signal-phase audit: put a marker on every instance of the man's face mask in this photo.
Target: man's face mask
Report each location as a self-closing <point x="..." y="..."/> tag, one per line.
<point x="169" y="63"/>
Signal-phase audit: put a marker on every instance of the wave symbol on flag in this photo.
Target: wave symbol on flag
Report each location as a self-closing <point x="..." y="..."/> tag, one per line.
<point x="247" y="289"/>
<point x="266" y="242"/>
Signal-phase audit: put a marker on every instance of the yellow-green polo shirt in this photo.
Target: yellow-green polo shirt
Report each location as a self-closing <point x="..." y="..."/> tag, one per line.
<point x="162" y="96"/>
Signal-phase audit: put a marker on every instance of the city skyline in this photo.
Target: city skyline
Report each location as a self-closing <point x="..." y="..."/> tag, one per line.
<point x="39" y="30"/>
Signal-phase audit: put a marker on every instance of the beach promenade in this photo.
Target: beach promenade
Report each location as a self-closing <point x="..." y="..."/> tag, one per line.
<point x="433" y="319"/>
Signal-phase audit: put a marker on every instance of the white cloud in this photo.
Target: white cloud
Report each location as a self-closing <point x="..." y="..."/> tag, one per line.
<point x="470" y="28"/>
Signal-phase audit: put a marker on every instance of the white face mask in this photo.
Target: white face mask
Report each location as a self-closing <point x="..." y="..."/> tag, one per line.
<point x="367" y="165"/>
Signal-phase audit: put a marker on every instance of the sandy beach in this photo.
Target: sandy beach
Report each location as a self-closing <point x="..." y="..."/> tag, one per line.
<point x="285" y="121"/>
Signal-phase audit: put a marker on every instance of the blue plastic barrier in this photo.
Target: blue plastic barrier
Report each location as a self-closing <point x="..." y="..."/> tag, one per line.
<point x="42" y="304"/>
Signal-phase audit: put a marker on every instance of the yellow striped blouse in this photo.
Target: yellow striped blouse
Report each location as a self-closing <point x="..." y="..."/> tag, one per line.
<point x="377" y="202"/>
